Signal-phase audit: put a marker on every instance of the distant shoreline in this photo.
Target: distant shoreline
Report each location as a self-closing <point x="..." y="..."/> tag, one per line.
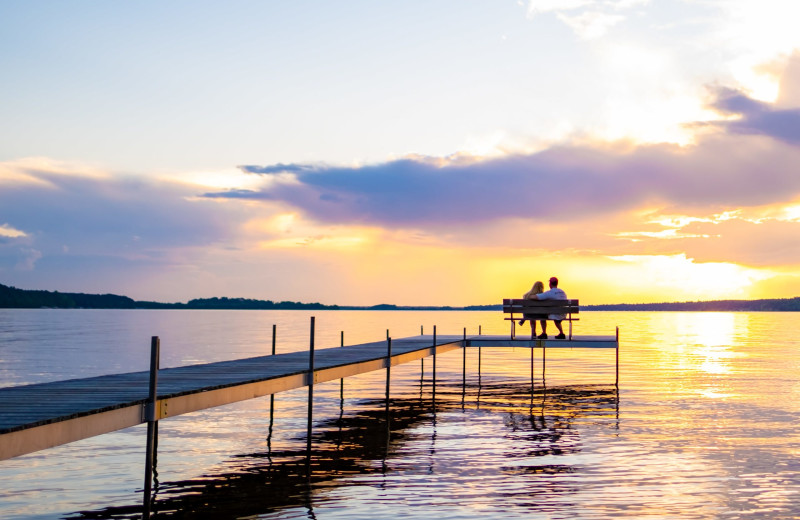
<point x="13" y="298"/>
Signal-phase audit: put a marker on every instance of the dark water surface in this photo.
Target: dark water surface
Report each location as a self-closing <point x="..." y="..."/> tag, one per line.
<point x="704" y="423"/>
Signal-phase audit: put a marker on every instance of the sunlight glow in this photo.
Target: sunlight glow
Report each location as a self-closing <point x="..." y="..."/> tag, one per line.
<point x="37" y="170"/>
<point x="289" y="230"/>
<point x="704" y="280"/>
<point x="283" y="223"/>
<point x="759" y="35"/>
<point x="665" y="234"/>
<point x="716" y="329"/>
<point x="759" y="85"/>
<point x="637" y="82"/>
<point x="318" y="242"/>
<point x="727" y="215"/>
<point x="226" y="179"/>
<point x="678" y="221"/>
<point x="791" y="213"/>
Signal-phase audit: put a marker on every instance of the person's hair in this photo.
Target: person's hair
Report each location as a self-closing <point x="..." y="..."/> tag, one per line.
<point x="554" y="281"/>
<point x="538" y="288"/>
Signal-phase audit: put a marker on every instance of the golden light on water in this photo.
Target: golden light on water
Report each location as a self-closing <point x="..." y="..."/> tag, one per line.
<point x="716" y="329"/>
<point x="703" y="344"/>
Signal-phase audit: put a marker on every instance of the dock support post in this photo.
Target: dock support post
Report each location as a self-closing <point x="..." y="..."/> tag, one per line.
<point x="271" y="401"/>
<point x="434" y="367"/>
<point x="464" y="361"/>
<point x="269" y="429"/>
<point x="464" y="369"/>
<point x="310" y="393"/>
<point x="533" y="354"/>
<point x="421" y="360"/>
<point x="152" y="424"/>
<point x="388" y="415"/>
<point x="544" y="361"/>
<point x="616" y="380"/>
<point x="341" y="381"/>
<point x="388" y="371"/>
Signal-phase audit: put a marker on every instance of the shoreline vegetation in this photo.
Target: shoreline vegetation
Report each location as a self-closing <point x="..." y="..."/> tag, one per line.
<point x="13" y="298"/>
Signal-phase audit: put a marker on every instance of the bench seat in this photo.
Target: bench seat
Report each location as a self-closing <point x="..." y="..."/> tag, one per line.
<point x="521" y="307"/>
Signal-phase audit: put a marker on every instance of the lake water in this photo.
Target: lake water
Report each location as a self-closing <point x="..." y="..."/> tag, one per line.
<point x="705" y="423"/>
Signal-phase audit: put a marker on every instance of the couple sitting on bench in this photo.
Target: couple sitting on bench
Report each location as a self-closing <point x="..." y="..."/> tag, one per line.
<point x="537" y="292"/>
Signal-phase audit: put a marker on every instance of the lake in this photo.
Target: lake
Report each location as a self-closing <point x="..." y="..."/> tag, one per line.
<point x="705" y="422"/>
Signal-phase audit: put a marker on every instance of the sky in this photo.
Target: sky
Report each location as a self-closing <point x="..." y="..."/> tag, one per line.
<point x="415" y="153"/>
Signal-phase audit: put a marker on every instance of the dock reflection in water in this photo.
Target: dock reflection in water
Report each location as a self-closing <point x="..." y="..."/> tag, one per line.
<point x="374" y="448"/>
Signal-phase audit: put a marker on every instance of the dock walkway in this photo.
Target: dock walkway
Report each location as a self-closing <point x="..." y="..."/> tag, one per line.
<point x="39" y="416"/>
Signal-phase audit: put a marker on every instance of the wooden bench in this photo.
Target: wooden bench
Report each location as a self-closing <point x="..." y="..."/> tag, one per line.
<point x="522" y="307"/>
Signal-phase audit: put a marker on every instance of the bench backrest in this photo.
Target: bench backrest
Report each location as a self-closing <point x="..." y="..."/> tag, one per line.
<point x="519" y="306"/>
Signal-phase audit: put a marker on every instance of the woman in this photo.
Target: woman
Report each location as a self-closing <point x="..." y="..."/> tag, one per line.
<point x="538" y="288"/>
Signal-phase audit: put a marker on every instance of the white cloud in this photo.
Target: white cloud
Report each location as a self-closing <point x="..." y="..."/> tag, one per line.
<point x="588" y="18"/>
<point x="548" y="6"/>
<point x="227" y="178"/>
<point x="44" y="171"/>
<point x="10" y="232"/>
<point x="590" y="25"/>
<point x="627" y="4"/>
<point x="667" y="234"/>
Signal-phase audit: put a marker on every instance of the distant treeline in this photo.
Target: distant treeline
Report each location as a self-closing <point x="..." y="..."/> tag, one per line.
<point x="392" y="307"/>
<point x="776" y="305"/>
<point x="233" y="303"/>
<point x="13" y="298"/>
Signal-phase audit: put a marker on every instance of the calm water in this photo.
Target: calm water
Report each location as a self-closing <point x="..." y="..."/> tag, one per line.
<point x="705" y="423"/>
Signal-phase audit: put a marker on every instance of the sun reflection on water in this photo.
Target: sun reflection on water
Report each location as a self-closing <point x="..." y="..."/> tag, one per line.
<point x="706" y="342"/>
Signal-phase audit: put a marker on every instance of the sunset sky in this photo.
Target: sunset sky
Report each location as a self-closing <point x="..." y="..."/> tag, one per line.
<point x="432" y="153"/>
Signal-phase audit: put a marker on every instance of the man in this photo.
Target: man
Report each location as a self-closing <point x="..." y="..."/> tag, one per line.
<point x="553" y="294"/>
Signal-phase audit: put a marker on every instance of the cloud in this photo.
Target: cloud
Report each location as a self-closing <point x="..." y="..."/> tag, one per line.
<point x="561" y="184"/>
<point x="66" y="211"/>
<point x="238" y="194"/>
<point x="7" y="231"/>
<point x="28" y="260"/>
<point x="591" y="25"/>
<point x="279" y="168"/>
<point x="585" y="198"/>
<point x="761" y="242"/>
<point x="757" y="117"/>
<point x="589" y="19"/>
<point x="548" y="6"/>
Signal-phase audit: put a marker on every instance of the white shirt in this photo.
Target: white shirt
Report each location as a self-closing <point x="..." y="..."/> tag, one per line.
<point x="554" y="294"/>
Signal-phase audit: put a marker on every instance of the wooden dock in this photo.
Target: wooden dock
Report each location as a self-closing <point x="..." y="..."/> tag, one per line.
<point x="39" y="416"/>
